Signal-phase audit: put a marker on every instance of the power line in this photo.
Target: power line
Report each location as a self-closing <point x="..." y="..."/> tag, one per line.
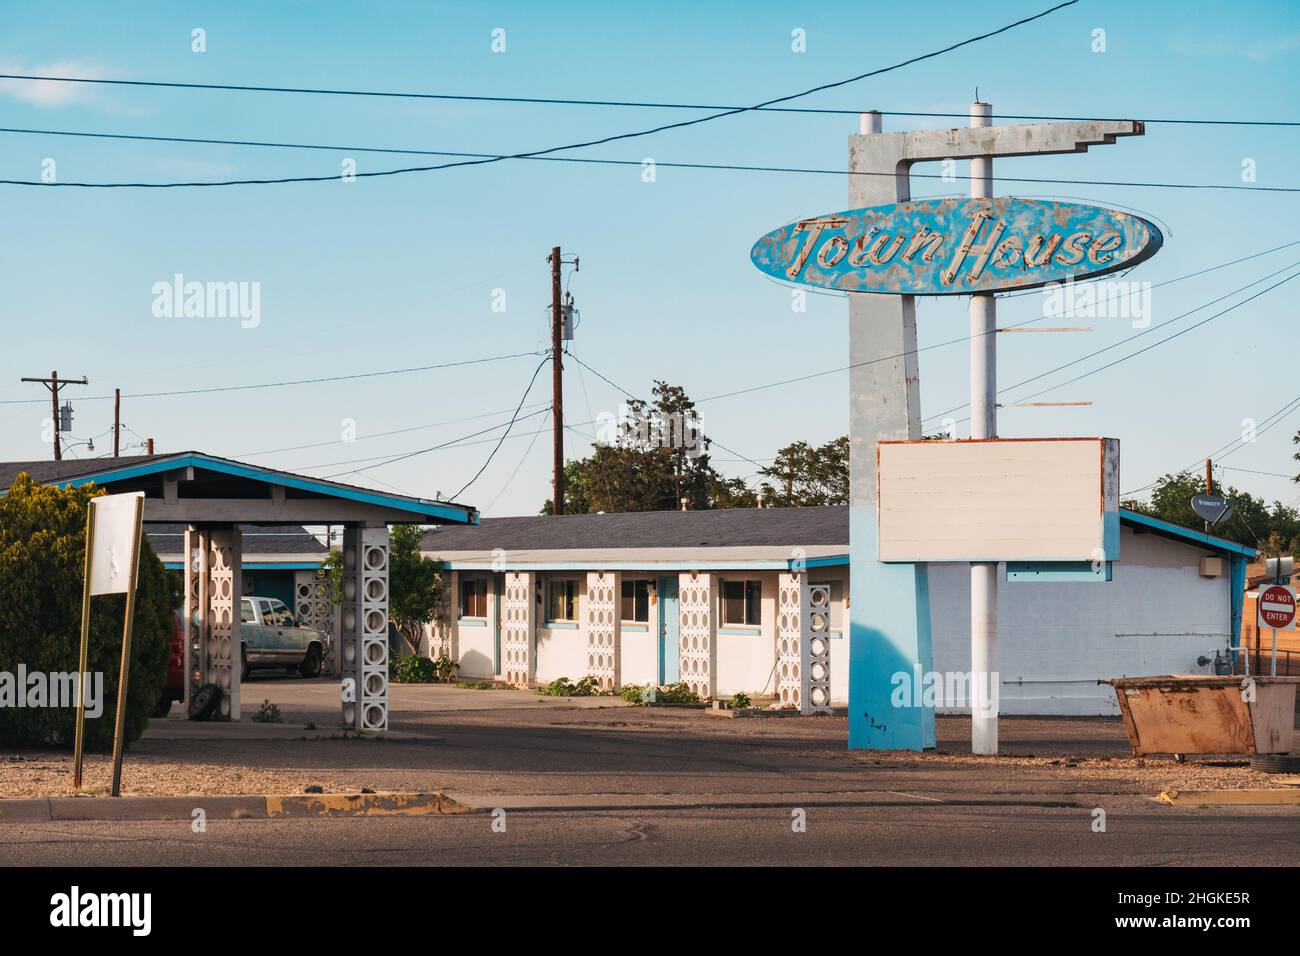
<point x="494" y="157"/>
<point x="300" y="381"/>
<point x="523" y="398"/>
<point x="395" y="431"/>
<point x="1148" y="348"/>
<point x="634" y="104"/>
<point x="617" y="137"/>
<point x="1272" y="420"/>
<point x="1115" y="345"/>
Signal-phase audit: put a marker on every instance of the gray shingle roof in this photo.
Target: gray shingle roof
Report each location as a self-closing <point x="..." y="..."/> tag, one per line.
<point x="725" y="527"/>
<point x="44" y="471"/>
<point x="169" y="539"/>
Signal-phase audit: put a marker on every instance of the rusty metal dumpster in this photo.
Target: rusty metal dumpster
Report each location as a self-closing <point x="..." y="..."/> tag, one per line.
<point x="1202" y="714"/>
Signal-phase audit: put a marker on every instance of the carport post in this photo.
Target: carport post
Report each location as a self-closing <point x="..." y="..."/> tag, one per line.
<point x="363" y="634"/>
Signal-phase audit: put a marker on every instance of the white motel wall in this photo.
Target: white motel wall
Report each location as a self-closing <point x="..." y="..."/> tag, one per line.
<point x="1171" y="599"/>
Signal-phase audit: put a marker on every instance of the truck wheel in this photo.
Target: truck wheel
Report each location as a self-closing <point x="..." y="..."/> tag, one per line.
<point x="310" y="666"/>
<point x="243" y="662"/>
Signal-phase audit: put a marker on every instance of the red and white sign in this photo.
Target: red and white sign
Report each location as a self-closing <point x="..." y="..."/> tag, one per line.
<point x="1276" y="607"/>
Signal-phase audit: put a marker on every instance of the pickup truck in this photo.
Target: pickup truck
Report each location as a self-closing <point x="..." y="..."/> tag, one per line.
<point x="270" y="636"/>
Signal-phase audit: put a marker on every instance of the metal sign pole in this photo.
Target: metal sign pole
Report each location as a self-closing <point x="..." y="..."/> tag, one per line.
<point x="79" y="747"/>
<point x="119" y="735"/>
<point x="984" y="424"/>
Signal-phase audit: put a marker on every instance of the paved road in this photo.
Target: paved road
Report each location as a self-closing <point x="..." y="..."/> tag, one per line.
<point x="834" y="836"/>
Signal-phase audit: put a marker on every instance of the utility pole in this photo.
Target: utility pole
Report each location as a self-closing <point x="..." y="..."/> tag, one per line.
<point x="1209" y="485"/>
<point x="148" y="446"/>
<point x="558" y="335"/>
<point x="117" y="421"/>
<point x="983" y="424"/>
<point x="557" y="385"/>
<point x="54" y="383"/>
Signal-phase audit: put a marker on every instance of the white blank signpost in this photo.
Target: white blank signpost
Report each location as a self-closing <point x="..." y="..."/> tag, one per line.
<point x="1005" y="499"/>
<point x="113" y="528"/>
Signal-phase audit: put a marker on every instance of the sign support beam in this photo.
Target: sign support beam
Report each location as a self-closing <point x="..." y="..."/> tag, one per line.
<point x="889" y="636"/>
<point x="984" y="679"/>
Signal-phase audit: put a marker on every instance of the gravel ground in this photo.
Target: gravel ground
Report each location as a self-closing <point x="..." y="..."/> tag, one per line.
<point x="557" y="749"/>
<point x="50" y="775"/>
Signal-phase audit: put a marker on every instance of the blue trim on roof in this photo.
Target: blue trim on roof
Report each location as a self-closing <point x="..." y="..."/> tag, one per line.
<point x="261" y="565"/>
<point x="647" y="566"/>
<point x="1186" y="534"/>
<point x="459" y="514"/>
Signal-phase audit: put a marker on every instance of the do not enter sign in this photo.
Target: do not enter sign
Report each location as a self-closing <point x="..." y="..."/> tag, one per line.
<point x="1276" y="607"/>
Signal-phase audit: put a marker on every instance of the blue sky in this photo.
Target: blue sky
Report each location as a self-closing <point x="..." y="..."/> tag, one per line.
<point x="397" y="272"/>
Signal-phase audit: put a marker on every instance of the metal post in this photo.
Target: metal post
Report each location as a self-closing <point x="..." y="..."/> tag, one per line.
<point x="557" y="382"/>
<point x="983" y="424"/>
<point x="124" y="674"/>
<point x="79" y="744"/>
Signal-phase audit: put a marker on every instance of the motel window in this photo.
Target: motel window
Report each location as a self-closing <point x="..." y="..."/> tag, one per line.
<point x="473" y="597"/>
<point x="741" y="602"/>
<point x="562" y="600"/>
<point x="636" y="601"/>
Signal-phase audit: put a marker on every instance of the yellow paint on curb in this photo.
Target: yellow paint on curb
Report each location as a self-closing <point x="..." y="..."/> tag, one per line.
<point x="1289" y="797"/>
<point x="361" y="805"/>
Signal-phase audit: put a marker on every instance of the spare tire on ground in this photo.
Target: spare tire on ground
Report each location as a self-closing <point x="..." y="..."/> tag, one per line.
<point x="204" y="702"/>
<point x="1275" y="763"/>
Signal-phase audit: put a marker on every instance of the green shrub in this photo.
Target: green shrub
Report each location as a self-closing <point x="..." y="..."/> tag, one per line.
<point x="42" y="565"/>
<point x="444" y="670"/>
<point x="413" y="669"/>
<point x="268" y="713"/>
<point x="650" y="694"/>
<point x="475" y="685"/>
<point x="740" y="701"/>
<point x="563" y="687"/>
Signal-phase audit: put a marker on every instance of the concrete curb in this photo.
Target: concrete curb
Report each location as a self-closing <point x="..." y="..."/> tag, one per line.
<point x="229" y="807"/>
<point x="1231" y="798"/>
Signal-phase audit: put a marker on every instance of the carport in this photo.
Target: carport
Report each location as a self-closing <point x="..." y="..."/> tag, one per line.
<point x="212" y="497"/>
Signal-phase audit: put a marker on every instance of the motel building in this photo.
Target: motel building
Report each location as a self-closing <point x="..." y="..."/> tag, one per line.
<point x="726" y="601"/>
<point x="702" y="597"/>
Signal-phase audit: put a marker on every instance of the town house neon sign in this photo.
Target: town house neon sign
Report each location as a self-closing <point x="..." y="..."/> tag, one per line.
<point x="956" y="246"/>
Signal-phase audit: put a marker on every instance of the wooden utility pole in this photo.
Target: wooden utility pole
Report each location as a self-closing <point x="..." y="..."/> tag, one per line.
<point x="54" y="383"/>
<point x="1209" y="477"/>
<point x="557" y="383"/>
<point x="117" y="421"/>
<point x="148" y="446"/>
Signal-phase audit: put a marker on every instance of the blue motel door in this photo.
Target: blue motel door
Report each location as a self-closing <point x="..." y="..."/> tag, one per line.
<point x="669" y="622"/>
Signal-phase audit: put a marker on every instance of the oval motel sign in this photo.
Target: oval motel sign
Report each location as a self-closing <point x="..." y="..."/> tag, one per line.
<point x="956" y="246"/>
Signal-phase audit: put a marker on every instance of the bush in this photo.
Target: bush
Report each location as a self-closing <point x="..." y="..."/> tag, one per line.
<point x="740" y="701"/>
<point x="413" y="669"/>
<point x="563" y="687"/>
<point x="668" y="694"/>
<point x="42" y="565"/>
<point x="268" y="713"/>
<point x="444" y="670"/>
<point x="475" y="685"/>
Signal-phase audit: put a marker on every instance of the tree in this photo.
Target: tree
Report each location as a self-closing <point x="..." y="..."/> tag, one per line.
<point x="1253" y="522"/>
<point x="42" y="568"/>
<point x="651" y="458"/>
<point x="809" y="475"/>
<point x="415" y="583"/>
